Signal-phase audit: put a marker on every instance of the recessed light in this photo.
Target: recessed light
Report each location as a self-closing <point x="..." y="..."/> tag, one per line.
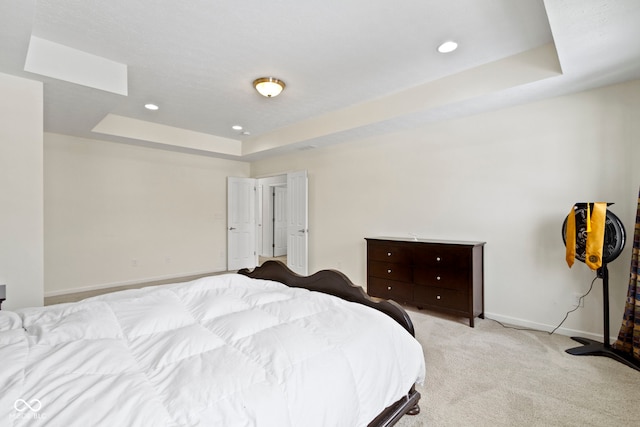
<point x="447" y="47"/>
<point x="153" y="107"/>
<point x="236" y="127"/>
<point x="246" y="133"/>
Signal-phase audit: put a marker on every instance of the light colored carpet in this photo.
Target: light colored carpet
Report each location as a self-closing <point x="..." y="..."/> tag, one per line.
<point x="492" y="376"/>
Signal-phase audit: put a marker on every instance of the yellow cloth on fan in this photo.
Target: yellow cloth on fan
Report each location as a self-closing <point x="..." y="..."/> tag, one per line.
<point x="570" y="237"/>
<point x="595" y="238"/>
<point x="595" y="223"/>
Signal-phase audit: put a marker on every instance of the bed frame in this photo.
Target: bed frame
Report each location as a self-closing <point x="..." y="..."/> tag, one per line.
<point x="335" y="283"/>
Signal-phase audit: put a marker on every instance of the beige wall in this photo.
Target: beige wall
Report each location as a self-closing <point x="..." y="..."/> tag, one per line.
<point x="508" y="178"/>
<point x="21" y="217"/>
<point x="118" y="214"/>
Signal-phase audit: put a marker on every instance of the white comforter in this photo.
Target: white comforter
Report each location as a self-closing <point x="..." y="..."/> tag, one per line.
<point x="220" y="351"/>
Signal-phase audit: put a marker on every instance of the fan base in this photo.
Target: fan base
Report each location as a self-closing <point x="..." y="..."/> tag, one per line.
<point x="595" y="348"/>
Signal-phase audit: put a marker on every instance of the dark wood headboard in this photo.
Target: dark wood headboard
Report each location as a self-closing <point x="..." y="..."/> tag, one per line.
<point x="330" y="282"/>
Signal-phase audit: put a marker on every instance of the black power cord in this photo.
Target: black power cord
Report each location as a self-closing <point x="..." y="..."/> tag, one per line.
<point x="560" y="324"/>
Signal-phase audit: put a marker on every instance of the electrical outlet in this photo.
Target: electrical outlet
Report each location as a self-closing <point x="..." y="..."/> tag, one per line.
<point x="578" y="301"/>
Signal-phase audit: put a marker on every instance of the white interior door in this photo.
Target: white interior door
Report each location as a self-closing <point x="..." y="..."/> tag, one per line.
<point x="279" y="221"/>
<point x="265" y="217"/>
<point x="241" y="223"/>
<point x="260" y="234"/>
<point x="297" y="222"/>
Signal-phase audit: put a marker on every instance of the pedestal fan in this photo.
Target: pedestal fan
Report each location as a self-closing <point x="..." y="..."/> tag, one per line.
<point x="614" y="240"/>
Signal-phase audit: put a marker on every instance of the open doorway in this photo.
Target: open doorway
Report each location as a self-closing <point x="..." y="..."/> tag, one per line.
<point x="246" y="222"/>
<point x="272" y="219"/>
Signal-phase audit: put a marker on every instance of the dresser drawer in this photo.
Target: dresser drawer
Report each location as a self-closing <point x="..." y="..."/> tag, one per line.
<point x="441" y="298"/>
<point x="441" y="277"/>
<point x="389" y="289"/>
<point x="388" y="270"/>
<point x="388" y="253"/>
<point x="442" y="256"/>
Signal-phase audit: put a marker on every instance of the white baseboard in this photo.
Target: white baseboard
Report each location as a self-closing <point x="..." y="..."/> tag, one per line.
<point x="514" y="321"/>
<point x="127" y="283"/>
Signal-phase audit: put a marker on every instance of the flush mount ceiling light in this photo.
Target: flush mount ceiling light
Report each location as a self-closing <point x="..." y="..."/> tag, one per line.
<point x="153" y="107"/>
<point x="447" y="47"/>
<point x="269" y="86"/>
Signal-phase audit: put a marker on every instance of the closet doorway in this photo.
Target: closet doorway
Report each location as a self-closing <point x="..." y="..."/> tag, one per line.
<point x="272" y="218"/>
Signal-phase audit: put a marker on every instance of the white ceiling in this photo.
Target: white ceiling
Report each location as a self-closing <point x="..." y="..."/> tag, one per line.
<point x="353" y="68"/>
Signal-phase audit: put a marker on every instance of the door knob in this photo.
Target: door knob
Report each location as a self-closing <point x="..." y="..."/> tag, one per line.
<point x="232" y="228"/>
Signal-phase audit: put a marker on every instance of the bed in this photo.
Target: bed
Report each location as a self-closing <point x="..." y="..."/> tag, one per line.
<point x="258" y="348"/>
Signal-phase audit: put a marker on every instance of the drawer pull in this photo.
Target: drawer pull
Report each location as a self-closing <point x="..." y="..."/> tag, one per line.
<point x="389" y="271"/>
<point x="438" y="278"/>
<point x="437" y="296"/>
<point x="438" y="258"/>
<point x="388" y="288"/>
<point x="388" y="253"/>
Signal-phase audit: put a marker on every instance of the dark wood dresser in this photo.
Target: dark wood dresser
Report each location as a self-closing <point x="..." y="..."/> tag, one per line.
<point x="435" y="274"/>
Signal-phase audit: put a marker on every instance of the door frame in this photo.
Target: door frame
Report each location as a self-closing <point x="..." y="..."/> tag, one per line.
<point x="279" y="178"/>
<point x="264" y="184"/>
